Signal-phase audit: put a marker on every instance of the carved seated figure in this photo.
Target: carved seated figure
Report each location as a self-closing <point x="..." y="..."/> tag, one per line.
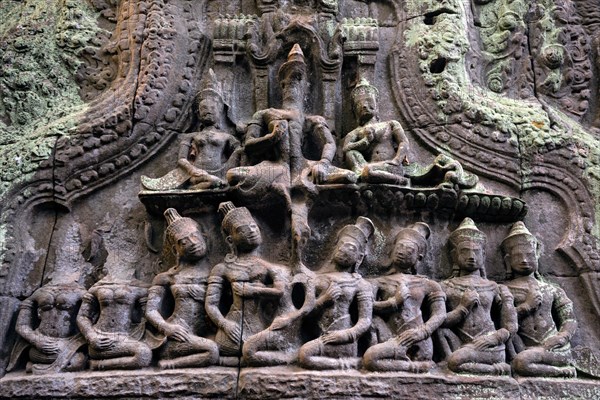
<point x="375" y="150"/>
<point x="469" y="336"/>
<point x="187" y="281"/>
<point x="46" y="322"/>
<point x="546" y="320"/>
<point x="280" y="342"/>
<point x="404" y="338"/>
<point x="110" y="320"/>
<point x="276" y="137"/>
<point x="204" y="156"/>
<point x="256" y="285"/>
<point x="336" y="347"/>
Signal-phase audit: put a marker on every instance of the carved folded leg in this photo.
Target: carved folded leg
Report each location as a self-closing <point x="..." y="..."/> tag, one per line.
<point x="383" y="173"/>
<point x="125" y="354"/>
<point x="206" y="181"/>
<point x="197" y="352"/>
<point x="391" y="356"/>
<point x="317" y="355"/>
<point x="471" y="361"/>
<point x="538" y="361"/>
<point x="269" y="348"/>
<point x="355" y="161"/>
<point x="446" y="341"/>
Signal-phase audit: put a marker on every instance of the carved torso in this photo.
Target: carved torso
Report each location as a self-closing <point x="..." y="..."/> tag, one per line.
<point x="210" y="148"/>
<point x="337" y="316"/>
<point x="409" y="315"/>
<point x="117" y="306"/>
<point x="537" y="326"/>
<point x="188" y="287"/>
<point x="479" y="321"/>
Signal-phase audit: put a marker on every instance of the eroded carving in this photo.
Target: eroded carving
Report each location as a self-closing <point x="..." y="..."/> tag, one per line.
<point x="46" y="322"/>
<point x="185" y="329"/>
<point x="403" y="335"/>
<point x="469" y="337"/>
<point x="338" y="286"/>
<point x="110" y="319"/>
<point x="541" y="346"/>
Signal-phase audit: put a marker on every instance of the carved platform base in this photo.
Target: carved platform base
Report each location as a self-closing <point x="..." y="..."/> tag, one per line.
<point x="289" y="382"/>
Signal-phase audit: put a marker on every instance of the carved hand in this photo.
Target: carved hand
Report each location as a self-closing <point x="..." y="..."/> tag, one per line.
<point x="484" y="342"/>
<point x="333" y="292"/>
<point x="176" y="332"/>
<point x="101" y="342"/>
<point x="402" y="294"/>
<point x="469" y="299"/>
<point x="534" y="299"/>
<point x="47" y="345"/>
<point x="411" y="336"/>
<point x="335" y="337"/>
<point x="233" y="331"/>
<point x="554" y="342"/>
<point x="279" y="323"/>
<point x="319" y="171"/>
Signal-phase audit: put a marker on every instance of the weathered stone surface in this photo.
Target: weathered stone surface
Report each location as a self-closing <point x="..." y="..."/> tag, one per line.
<point x="218" y="383"/>
<point x="337" y="185"/>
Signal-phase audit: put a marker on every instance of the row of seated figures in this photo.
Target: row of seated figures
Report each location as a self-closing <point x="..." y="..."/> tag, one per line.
<point x="244" y="311"/>
<point x="272" y="148"/>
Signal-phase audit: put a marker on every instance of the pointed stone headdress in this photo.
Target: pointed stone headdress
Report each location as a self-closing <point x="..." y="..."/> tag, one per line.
<point x="210" y="87"/>
<point x="178" y="226"/>
<point x="294" y="67"/>
<point x="417" y="233"/>
<point x="361" y="231"/>
<point x="518" y="234"/>
<point x="233" y="216"/>
<point x="364" y="87"/>
<point x="467" y="231"/>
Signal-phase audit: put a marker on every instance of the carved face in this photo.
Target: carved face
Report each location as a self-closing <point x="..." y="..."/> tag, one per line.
<point x="246" y="236"/>
<point x="405" y="255"/>
<point x="469" y="256"/>
<point x="365" y="107"/>
<point x="191" y="246"/>
<point x="293" y="88"/>
<point x="347" y="253"/>
<point x="210" y="110"/>
<point x="523" y="259"/>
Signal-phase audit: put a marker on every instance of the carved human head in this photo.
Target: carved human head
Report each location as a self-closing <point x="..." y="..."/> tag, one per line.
<point x="352" y="242"/>
<point x="292" y="75"/>
<point x="467" y="251"/>
<point x="211" y="105"/>
<point x="410" y="246"/>
<point x="184" y="236"/>
<point x="240" y="227"/>
<point x="364" y="101"/>
<point x="521" y="250"/>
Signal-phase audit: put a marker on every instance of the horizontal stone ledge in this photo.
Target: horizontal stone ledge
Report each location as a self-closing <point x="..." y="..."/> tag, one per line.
<point x="289" y="382"/>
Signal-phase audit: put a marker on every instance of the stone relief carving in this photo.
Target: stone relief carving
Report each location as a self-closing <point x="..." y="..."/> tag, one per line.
<point x="184" y="330"/>
<point x="546" y="320"/>
<point x="255" y="109"/>
<point x="54" y="342"/>
<point x="403" y="335"/>
<point x="470" y="338"/>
